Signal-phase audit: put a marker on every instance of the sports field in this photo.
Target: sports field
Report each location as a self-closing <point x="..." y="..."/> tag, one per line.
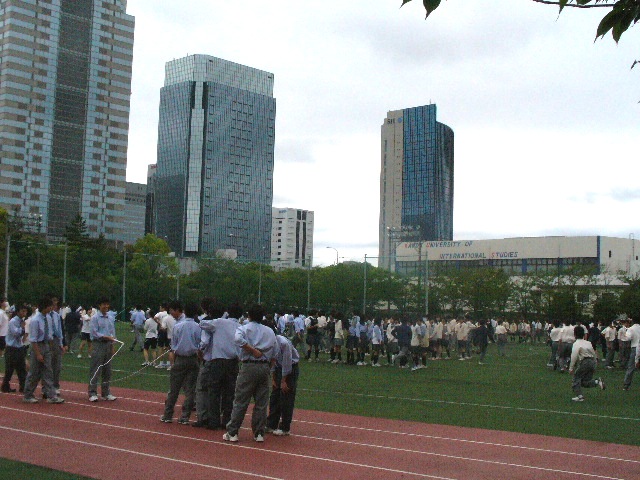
<point x="514" y="394"/>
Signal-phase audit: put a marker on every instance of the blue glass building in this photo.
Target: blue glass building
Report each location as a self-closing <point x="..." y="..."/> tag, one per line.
<point x="214" y="178"/>
<point x="416" y="180"/>
<point x="65" y="84"/>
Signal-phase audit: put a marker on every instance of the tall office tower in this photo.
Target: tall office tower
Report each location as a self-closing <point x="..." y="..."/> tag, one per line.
<point x="214" y="181"/>
<point x="291" y="238"/>
<point x="416" y="180"/>
<point x="134" y="212"/>
<point x="65" y="84"/>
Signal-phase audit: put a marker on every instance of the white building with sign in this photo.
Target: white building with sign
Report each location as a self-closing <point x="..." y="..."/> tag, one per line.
<point x="518" y="256"/>
<point x="291" y="238"/>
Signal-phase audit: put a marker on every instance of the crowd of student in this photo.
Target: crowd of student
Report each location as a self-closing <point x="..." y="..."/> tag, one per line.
<point x="223" y="357"/>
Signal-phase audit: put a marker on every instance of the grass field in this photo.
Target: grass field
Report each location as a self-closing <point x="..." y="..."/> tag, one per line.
<point x="517" y="393"/>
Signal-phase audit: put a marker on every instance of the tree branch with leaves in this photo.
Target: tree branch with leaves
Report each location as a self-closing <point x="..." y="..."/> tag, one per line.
<point x="623" y="14"/>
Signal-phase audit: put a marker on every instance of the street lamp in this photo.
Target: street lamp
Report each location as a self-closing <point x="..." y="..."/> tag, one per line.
<point x="336" y="253"/>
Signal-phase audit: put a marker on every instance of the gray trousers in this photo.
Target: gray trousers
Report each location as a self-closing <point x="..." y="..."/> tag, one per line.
<point x="583" y="375"/>
<point x="100" y="355"/>
<point x="631" y="367"/>
<point x="253" y="381"/>
<point x="40" y="371"/>
<point x="56" y="365"/>
<point x="184" y="375"/>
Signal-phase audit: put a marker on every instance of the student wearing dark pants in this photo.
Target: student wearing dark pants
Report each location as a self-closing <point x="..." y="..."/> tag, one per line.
<point x="15" y="353"/>
<point x="185" y="343"/>
<point x="284" y="386"/>
<point x="219" y="371"/>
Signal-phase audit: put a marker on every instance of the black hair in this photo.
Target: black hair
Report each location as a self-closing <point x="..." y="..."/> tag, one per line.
<point x="176" y="305"/>
<point x="578" y="332"/>
<point x="256" y="313"/>
<point x="191" y="310"/>
<point x="234" y="310"/>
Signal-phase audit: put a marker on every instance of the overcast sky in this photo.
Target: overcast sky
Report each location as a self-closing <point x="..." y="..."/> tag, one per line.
<point x="546" y="121"/>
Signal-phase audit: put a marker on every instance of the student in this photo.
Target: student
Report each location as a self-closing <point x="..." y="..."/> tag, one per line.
<point x="15" y="353"/>
<point x="376" y="342"/>
<point x="85" y="334"/>
<point x="42" y="342"/>
<point x="501" y="338"/>
<point x="103" y="334"/>
<point x="284" y="385"/>
<point x="258" y="347"/>
<point x="338" y="340"/>
<point x="185" y="343"/>
<point x="633" y="336"/>
<point x="219" y="371"/>
<point x="163" y="337"/>
<point x="583" y="365"/>
<point x="482" y="339"/>
<point x="150" y="340"/>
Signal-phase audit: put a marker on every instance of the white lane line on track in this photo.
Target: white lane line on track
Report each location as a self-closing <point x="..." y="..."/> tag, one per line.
<point x="419" y="435"/>
<point x="133" y="452"/>
<point x="475" y="442"/>
<point x="226" y="444"/>
<point x="403" y="450"/>
<point x="469" y="404"/>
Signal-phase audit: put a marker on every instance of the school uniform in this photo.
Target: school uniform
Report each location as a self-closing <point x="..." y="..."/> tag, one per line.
<point x="281" y="404"/>
<point x="14" y="355"/>
<point x="101" y="326"/>
<point x="40" y="334"/>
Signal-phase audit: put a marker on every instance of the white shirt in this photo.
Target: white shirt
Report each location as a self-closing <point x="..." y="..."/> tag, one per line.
<point x="168" y="322"/>
<point x="4" y="324"/>
<point x="633" y="334"/>
<point x="150" y="328"/>
<point x="581" y="349"/>
<point x="86" y="323"/>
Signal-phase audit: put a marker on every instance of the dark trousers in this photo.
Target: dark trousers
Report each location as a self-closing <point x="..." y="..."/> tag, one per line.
<point x="100" y="366"/>
<point x="184" y="375"/>
<point x="215" y="390"/>
<point x="281" y="404"/>
<point x="15" y="360"/>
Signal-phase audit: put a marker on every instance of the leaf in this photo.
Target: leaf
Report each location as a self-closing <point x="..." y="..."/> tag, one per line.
<point x="430" y="6"/>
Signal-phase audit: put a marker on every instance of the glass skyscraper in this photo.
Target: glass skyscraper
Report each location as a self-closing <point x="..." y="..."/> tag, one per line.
<point x="65" y="85"/>
<point x="214" y="178"/>
<point x="416" y="180"/>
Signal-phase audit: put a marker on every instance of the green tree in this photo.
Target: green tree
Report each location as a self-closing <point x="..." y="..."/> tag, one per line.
<point x="76" y="232"/>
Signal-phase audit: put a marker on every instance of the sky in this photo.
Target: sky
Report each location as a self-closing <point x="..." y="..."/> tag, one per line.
<point x="546" y="120"/>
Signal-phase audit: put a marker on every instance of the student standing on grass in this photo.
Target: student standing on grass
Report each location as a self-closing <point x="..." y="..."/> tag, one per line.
<point x="85" y="333"/>
<point x="284" y="386"/>
<point x="583" y="365"/>
<point x="103" y="334"/>
<point x="258" y="346"/>
<point x="633" y="334"/>
<point x="150" y="340"/>
<point x="163" y="339"/>
<point x="501" y="338"/>
<point x="42" y="342"/>
<point x="482" y="339"/>
<point x="15" y="353"/>
<point x="185" y="343"/>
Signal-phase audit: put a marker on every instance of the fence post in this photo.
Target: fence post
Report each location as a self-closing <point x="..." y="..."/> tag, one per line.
<point x="364" y="291"/>
<point x="64" y="274"/>
<point x="124" y="286"/>
<point x="6" y="266"/>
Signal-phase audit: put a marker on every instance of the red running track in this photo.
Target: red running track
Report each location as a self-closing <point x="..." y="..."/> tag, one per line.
<point x="107" y="440"/>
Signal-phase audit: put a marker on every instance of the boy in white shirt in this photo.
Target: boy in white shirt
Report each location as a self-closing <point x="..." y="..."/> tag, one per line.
<point x="583" y="365"/>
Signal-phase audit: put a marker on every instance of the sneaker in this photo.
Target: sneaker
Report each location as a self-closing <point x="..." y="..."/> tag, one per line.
<point x="164" y="419"/>
<point x="79" y="355"/>
<point x="549" y="364"/>
<point x="413" y="369"/>
<point x="30" y="400"/>
<point x="109" y="398"/>
<point x="230" y="438"/>
<point x="160" y="365"/>
<point x="93" y="398"/>
<point x="183" y="421"/>
<point x="281" y="433"/>
<point x="579" y="398"/>
<point x="259" y="438"/>
<point x="169" y="368"/>
<point x="55" y="400"/>
<point x="360" y="364"/>
<point x="144" y="364"/>
<point x="601" y="383"/>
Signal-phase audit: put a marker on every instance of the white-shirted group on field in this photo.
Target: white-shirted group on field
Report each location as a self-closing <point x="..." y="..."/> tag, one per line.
<point x="224" y="357"/>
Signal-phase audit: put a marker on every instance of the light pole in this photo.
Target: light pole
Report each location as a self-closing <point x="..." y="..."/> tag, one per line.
<point x="332" y="248"/>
